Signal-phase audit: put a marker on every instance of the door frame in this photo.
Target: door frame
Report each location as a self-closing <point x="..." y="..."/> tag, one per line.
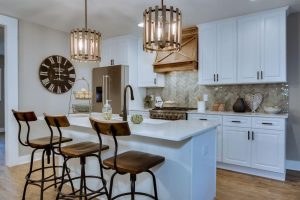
<point x="10" y="88"/>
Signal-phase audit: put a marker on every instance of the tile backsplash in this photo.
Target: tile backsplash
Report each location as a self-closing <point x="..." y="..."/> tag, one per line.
<point x="182" y="88"/>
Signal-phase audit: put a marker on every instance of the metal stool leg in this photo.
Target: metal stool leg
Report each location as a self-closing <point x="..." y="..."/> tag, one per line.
<point x="62" y="178"/>
<point x="102" y="177"/>
<point x="43" y="175"/>
<point x="29" y="174"/>
<point x="53" y="167"/>
<point x="132" y="180"/>
<point x="154" y="184"/>
<point x="111" y="185"/>
<point x="70" y="179"/>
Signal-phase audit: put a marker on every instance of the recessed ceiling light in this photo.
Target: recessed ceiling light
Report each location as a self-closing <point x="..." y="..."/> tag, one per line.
<point x="253" y="0"/>
<point x="141" y="25"/>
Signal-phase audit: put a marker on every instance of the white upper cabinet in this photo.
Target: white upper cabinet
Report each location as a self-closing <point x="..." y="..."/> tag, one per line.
<point x="217" y="54"/>
<point x="246" y="49"/>
<point x="146" y="75"/>
<point x="262" y="47"/>
<point x="226" y="51"/>
<point x="249" y="49"/>
<point x="273" y="49"/>
<point x="207" y="53"/>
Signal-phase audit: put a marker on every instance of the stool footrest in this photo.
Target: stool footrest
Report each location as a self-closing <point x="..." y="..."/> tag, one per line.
<point x="136" y="193"/>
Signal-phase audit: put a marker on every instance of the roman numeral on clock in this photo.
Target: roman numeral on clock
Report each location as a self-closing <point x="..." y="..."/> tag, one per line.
<point x="58" y="58"/>
<point x="51" y="60"/>
<point x="58" y="90"/>
<point x="43" y="73"/>
<point x="45" y="65"/>
<point x="70" y="68"/>
<point x="46" y="81"/>
<point x="72" y="75"/>
<point x="51" y="87"/>
<point x="70" y="82"/>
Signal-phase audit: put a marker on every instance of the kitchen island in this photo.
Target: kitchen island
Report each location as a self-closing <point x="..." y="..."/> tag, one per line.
<point x="189" y="148"/>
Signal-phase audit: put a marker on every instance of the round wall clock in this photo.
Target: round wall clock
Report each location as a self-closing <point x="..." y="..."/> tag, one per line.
<point x="57" y="74"/>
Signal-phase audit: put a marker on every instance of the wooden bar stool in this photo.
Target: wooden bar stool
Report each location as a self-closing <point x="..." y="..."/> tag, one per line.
<point x="47" y="144"/>
<point x="132" y="162"/>
<point x="80" y="150"/>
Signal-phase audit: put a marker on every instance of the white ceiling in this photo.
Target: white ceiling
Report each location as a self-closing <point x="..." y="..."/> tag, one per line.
<point x="118" y="17"/>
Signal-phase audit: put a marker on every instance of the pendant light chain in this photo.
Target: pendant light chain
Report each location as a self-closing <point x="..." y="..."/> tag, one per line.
<point x="85" y="5"/>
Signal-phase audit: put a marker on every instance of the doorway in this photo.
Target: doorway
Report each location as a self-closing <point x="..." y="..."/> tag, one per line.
<point x="2" y="99"/>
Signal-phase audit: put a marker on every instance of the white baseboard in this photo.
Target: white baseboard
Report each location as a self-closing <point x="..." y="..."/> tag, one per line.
<point x="292" y="165"/>
<point x="26" y="159"/>
<point x="252" y="171"/>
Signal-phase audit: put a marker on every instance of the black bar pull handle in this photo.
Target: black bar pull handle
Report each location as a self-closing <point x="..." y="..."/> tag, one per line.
<point x="267" y="123"/>
<point x="214" y="77"/>
<point x="248" y="135"/>
<point x="203" y="119"/>
<point x="252" y="135"/>
<point x="236" y="121"/>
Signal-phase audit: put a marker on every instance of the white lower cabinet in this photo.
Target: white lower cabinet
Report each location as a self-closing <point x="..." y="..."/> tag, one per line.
<point x="236" y="146"/>
<point x="268" y="150"/>
<point x="247" y="144"/>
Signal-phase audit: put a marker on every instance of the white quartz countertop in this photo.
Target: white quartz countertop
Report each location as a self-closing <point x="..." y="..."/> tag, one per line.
<point x="246" y="114"/>
<point x="153" y="128"/>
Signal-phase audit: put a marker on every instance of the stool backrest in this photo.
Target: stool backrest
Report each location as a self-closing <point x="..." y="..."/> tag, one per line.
<point x="59" y="121"/>
<point x="24" y="117"/>
<point x="111" y="128"/>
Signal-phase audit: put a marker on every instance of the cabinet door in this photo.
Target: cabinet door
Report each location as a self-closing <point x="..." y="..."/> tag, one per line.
<point x="273" y="46"/>
<point x="226" y="51"/>
<point x="268" y="151"/>
<point x="207" y="53"/>
<point x="146" y="76"/>
<point x="236" y="146"/>
<point x="249" y="29"/>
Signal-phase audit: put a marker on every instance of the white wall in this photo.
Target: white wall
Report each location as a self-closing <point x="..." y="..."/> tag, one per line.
<point x="35" y="44"/>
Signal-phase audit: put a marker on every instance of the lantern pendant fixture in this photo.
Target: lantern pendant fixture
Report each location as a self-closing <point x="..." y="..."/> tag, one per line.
<point x="85" y="43"/>
<point x="162" y="28"/>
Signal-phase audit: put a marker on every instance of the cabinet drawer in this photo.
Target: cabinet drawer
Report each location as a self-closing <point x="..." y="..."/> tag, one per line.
<point x="268" y="123"/>
<point x="202" y="117"/>
<point x="237" y="121"/>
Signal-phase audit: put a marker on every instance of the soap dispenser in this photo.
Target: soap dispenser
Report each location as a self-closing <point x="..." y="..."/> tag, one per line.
<point x="107" y="110"/>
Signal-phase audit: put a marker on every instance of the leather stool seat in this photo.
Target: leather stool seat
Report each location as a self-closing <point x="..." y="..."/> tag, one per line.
<point x="134" y="162"/>
<point x="82" y="149"/>
<point x="45" y="141"/>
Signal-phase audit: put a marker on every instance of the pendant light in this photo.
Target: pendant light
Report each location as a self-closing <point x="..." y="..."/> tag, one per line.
<point x="162" y="28"/>
<point x="85" y="43"/>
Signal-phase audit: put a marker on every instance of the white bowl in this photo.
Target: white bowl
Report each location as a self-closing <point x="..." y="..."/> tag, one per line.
<point x="272" y="109"/>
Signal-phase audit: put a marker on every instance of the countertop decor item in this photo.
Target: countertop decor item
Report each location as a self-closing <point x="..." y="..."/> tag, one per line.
<point x="137" y="119"/>
<point x="159" y="102"/>
<point x="272" y="109"/>
<point x="162" y="28"/>
<point x="253" y="101"/>
<point x="57" y="74"/>
<point x="86" y="96"/>
<point x="168" y="104"/>
<point x="239" y="105"/>
<point x="85" y="43"/>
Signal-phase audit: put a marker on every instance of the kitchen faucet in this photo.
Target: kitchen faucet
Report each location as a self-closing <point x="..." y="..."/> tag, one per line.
<point x="125" y="101"/>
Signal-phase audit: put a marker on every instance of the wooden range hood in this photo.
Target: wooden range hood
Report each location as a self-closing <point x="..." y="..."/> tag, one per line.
<point x="185" y="59"/>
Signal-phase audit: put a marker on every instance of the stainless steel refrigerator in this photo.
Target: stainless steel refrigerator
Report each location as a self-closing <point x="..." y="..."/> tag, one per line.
<point x="108" y="84"/>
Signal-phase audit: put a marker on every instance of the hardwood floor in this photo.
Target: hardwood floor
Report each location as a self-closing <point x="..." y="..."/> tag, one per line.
<point x="230" y="186"/>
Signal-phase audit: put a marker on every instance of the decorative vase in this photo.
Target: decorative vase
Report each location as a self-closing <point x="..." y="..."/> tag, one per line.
<point x="239" y="105"/>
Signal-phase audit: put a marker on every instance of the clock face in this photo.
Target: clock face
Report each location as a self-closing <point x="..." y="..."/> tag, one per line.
<point x="57" y="74"/>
